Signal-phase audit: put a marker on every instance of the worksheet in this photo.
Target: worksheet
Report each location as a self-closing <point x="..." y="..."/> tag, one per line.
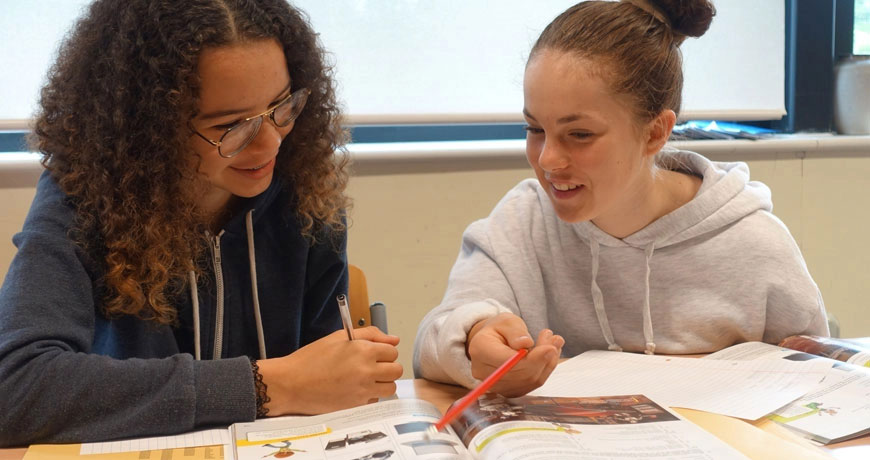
<point x="736" y="388"/>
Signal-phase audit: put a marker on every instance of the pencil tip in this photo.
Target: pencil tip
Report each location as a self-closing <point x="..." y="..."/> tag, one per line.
<point x="430" y="433"/>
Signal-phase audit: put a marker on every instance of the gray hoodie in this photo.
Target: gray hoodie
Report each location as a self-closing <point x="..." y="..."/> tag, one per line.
<point x="717" y="271"/>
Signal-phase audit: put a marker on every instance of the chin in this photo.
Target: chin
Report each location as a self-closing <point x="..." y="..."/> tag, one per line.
<point x="251" y="190"/>
<point x="248" y="192"/>
<point x="572" y="216"/>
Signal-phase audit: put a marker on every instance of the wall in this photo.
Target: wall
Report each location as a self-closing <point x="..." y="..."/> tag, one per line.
<point x="410" y="211"/>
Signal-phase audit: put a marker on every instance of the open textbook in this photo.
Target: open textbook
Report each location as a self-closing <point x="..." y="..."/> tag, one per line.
<point x="846" y="350"/>
<point x="837" y="408"/>
<point x="528" y="428"/>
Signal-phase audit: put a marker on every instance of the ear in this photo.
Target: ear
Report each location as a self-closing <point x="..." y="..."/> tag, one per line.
<point x="659" y="130"/>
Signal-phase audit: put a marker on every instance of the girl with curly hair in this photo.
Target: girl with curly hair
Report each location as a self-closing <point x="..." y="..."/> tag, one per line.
<point x="618" y="244"/>
<point x="180" y="262"/>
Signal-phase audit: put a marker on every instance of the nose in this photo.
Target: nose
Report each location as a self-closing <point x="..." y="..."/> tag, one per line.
<point x="553" y="156"/>
<point x="268" y="138"/>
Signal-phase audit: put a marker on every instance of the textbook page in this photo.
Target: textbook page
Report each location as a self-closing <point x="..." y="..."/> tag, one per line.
<point x="202" y="438"/>
<point x="742" y="389"/>
<point x="836" y="409"/>
<point x="852" y="351"/>
<point x="389" y="429"/>
<point x="601" y="428"/>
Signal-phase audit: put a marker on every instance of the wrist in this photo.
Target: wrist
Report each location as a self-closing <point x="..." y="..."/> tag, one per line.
<point x="260" y="389"/>
<point x="470" y="336"/>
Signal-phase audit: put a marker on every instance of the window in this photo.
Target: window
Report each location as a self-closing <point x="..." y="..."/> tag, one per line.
<point x="435" y="61"/>
<point x="861" y="37"/>
<point x="447" y="61"/>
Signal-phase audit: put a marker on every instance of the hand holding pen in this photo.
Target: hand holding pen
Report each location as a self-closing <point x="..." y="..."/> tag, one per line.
<point x="344" y="311"/>
<point x="493" y="341"/>
<point x="344" y="369"/>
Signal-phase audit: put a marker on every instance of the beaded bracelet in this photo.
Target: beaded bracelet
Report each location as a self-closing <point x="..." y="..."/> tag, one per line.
<point x="259" y="390"/>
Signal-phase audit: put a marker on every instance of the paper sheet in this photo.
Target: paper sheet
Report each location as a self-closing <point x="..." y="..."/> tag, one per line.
<point x="836" y="409"/>
<point x="743" y="389"/>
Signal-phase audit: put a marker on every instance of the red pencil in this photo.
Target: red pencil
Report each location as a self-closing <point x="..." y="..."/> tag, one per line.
<point x="460" y="405"/>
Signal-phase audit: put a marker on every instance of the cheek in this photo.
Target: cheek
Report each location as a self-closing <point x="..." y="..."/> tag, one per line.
<point x="533" y="151"/>
<point x="208" y="165"/>
<point x="197" y="155"/>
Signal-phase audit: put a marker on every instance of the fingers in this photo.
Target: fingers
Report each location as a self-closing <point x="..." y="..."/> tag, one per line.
<point x="490" y="354"/>
<point x="385" y="389"/>
<point x="388" y="372"/>
<point x="514" y="331"/>
<point x="530" y="373"/>
<point x="372" y="351"/>
<point x="374" y="334"/>
<point x="498" y="339"/>
<point x="547" y="337"/>
<point x="547" y="370"/>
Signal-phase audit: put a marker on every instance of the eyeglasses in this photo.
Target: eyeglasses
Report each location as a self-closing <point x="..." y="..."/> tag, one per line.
<point x="241" y="133"/>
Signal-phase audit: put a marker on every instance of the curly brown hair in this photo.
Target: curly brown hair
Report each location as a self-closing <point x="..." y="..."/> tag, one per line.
<point x="113" y="126"/>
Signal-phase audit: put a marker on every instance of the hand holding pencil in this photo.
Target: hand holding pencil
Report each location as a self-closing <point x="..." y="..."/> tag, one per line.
<point x="493" y="341"/>
<point x="479" y="390"/>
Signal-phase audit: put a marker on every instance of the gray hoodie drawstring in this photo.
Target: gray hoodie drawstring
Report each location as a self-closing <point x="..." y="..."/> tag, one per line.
<point x="598" y="301"/>
<point x="249" y="227"/>
<point x="647" y="316"/>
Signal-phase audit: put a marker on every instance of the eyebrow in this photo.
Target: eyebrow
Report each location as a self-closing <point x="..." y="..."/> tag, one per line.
<point x="223" y="113"/>
<point x="565" y="119"/>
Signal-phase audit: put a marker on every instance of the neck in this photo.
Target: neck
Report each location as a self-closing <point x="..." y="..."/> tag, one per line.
<point x="653" y="196"/>
<point x="218" y="206"/>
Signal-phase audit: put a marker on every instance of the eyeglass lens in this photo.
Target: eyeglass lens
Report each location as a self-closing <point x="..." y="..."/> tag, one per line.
<point x="239" y="136"/>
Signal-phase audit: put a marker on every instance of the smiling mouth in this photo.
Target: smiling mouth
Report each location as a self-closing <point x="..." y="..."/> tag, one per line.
<point x="564" y="187"/>
<point x="255" y="168"/>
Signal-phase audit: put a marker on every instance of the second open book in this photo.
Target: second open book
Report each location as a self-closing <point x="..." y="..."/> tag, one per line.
<point x="527" y="428"/>
<point x="835" y="409"/>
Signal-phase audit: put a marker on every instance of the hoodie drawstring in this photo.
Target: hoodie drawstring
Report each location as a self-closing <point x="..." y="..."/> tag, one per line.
<point x="598" y="301"/>
<point x="647" y="316"/>
<point x="195" y="297"/>
<point x="249" y="227"/>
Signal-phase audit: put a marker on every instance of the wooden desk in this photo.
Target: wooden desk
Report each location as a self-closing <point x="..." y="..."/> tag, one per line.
<point x="12" y="454"/>
<point x="762" y="437"/>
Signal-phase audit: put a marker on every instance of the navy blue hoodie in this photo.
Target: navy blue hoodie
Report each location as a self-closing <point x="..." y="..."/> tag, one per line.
<point x="69" y="374"/>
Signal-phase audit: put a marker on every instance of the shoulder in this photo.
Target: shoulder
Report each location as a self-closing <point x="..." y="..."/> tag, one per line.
<point x="763" y="234"/>
<point x="526" y="201"/>
<point x="51" y="210"/>
<point x="524" y="215"/>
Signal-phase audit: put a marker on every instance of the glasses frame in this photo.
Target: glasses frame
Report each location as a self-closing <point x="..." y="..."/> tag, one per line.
<point x="301" y="93"/>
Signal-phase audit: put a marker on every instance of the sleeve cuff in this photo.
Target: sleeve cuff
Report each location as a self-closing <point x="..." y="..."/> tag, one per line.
<point x="450" y="346"/>
<point x="224" y="391"/>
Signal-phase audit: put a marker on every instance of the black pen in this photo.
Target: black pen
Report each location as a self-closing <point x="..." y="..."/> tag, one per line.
<point x="345" y="315"/>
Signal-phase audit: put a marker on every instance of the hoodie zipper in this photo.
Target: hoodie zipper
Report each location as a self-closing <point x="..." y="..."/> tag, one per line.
<point x="219" y="283"/>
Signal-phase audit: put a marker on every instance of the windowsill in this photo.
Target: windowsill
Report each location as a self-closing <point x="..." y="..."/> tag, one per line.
<point x="21" y="169"/>
<point x="411" y="157"/>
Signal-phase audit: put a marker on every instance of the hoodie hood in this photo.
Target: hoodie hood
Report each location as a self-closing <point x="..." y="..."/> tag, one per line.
<point x="237" y="226"/>
<point x="719" y="270"/>
<point x="726" y="196"/>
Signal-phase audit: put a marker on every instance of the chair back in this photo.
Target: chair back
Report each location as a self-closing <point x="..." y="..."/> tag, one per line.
<point x="358" y="297"/>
